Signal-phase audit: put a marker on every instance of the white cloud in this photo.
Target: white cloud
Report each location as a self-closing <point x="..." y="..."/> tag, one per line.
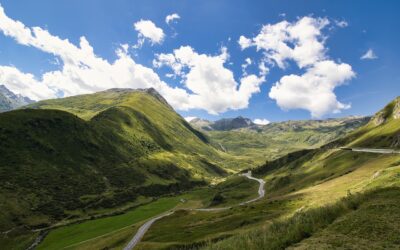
<point x="264" y="70"/>
<point x="148" y="30"/>
<point x="313" y="90"/>
<point x="261" y="121"/>
<point x="244" y="42"/>
<point x="171" y="18"/>
<point x="190" y="118"/>
<point x="81" y="71"/>
<point x="247" y="63"/>
<point x="369" y="55"/>
<point x="24" y="84"/>
<point x="301" y="41"/>
<point x="213" y="86"/>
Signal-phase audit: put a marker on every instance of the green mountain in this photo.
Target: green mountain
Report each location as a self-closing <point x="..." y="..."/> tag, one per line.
<point x="61" y="158"/>
<point x="257" y="143"/>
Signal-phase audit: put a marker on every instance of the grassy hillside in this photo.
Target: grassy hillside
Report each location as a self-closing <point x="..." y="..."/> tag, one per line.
<point x="260" y="143"/>
<point x="80" y="156"/>
<point x="307" y="192"/>
<point x="343" y="199"/>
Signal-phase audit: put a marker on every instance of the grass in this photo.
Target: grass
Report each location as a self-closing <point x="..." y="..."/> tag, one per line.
<point x="368" y="220"/>
<point x="187" y="228"/>
<point x="233" y="191"/>
<point x="117" y="230"/>
<point x="353" y="172"/>
<point x="72" y="235"/>
<point x="17" y="239"/>
<point x="374" y="225"/>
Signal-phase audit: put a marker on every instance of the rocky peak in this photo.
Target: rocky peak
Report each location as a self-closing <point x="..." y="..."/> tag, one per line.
<point x="396" y="109"/>
<point x="232" y="123"/>
<point x="392" y="110"/>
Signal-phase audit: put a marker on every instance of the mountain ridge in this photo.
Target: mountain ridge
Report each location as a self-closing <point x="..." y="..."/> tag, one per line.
<point x="10" y="101"/>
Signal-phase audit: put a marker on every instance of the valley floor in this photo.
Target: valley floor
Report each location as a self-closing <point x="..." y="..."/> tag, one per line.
<point x="337" y="211"/>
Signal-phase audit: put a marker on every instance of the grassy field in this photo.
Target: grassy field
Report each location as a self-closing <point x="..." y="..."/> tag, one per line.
<point x="72" y="235"/>
<point x="117" y="230"/>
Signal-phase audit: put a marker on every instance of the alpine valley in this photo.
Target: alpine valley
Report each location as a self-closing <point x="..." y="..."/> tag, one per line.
<point x="199" y="125"/>
<point x="84" y="172"/>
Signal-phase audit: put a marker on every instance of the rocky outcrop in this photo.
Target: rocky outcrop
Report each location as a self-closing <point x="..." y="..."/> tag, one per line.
<point x="379" y="119"/>
<point x="396" y="109"/>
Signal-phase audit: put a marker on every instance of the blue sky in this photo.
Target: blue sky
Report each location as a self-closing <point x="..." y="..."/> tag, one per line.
<point x="40" y="69"/>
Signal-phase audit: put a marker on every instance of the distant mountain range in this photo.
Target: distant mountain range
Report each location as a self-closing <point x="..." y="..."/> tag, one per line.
<point x="223" y="124"/>
<point x="10" y="100"/>
<point x="240" y="136"/>
<point x="240" y="123"/>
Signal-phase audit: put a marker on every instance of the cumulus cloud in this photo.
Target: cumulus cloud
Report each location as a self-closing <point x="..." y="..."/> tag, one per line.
<point x="313" y="90"/>
<point x="148" y="30"/>
<point x="81" y="70"/>
<point x="261" y="121"/>
<point x="25" y="84"/>
<point x="213" y="86"/>
<point x="208" y="85"/>
<point x="171" y="18"/>
<point x="369" y="55"/>
<point x="301" y="41"/>
<point x="244" y="42"/>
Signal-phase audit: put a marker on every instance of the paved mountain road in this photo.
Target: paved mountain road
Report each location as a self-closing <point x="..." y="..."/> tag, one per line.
<point x="143" y="229"/>
<point x="372" y="150"/>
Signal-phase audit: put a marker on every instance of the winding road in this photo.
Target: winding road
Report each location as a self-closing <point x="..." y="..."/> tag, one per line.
<point x="372" y="150"/>
<point x="145" y="227"/>
<point x="261" y="193"/>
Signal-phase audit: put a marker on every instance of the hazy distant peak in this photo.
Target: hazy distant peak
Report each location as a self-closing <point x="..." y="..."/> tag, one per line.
<point x="10" y="100"/>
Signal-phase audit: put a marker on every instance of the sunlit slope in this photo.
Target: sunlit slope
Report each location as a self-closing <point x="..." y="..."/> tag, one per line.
<point x="308" y="167"/>
<point x="383" y="131"/>
<point x="344" y="199"/>
<point x="143" y="118"/>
